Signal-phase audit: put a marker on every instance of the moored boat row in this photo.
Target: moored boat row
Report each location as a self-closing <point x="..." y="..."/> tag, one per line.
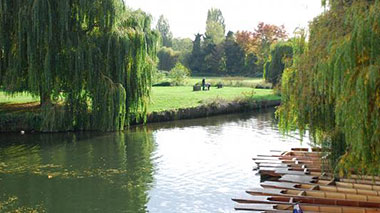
<point x="302" y="178"/>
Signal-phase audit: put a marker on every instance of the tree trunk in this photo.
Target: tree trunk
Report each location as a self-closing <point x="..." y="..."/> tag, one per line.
<point x="44" y="99"/>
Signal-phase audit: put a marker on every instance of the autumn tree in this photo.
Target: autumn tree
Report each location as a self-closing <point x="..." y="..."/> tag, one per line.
<point x="260" y="40"/>
<point x="264" y="36"/>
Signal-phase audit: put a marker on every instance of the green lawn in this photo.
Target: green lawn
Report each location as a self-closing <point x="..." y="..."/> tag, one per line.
<point x="164" y="98"/>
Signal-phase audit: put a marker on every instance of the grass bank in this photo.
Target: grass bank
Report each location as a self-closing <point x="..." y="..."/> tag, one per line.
<point x="21" y="111"/>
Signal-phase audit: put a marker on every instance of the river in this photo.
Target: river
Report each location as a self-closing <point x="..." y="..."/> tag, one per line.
<point x="184" y="166"/>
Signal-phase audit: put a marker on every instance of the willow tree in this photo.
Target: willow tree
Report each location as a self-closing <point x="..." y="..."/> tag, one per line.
<point x="333" y="87"/>
<point x="280" y="56"/>
<point x="89" y="60"/>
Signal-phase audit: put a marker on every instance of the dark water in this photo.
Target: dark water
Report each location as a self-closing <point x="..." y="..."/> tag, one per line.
<point x="186" y="166"/>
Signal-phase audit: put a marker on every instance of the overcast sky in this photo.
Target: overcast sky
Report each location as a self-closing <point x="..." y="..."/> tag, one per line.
<point x="188" y="17"/>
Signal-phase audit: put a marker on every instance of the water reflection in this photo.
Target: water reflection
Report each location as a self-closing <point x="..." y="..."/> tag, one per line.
<point x="201" y="164"/>
<point x="184" y="166"/>
<point x="78" y="172"/>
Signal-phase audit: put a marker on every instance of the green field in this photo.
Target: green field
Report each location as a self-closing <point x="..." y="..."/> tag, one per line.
<point x="165" y="98"/>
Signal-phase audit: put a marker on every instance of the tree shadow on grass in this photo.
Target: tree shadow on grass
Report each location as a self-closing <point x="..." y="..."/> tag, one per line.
<point x="20" y="107"/>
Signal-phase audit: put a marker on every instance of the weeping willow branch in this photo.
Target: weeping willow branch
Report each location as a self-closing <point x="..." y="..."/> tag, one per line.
<point x="333" y="87"/>
<point x="96" y="54"/>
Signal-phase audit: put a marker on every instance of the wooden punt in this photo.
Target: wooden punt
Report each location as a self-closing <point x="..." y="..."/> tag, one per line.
<point x="315" y="187"/>
<point x="315" y="194"/>
<point x="333" y="182"/>
<point x="313" y="149"/>
<point x="283" y="157"/>
<point x="301" y="180"/>
<point x="278" y="172"/>
<point x="290" y="167"/>
<point x="365" y="184"/>
<point x="288" y="207"/>
<point x="303" y="153"/>
<point x="290" y="161"/>
<point x="287" y="203"/>
<point x="306" y="200"/>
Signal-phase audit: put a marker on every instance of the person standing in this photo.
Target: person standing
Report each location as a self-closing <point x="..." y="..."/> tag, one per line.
<point x="203" y="84"/>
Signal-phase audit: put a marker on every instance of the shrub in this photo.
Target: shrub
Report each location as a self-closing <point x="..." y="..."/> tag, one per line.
<point x="163" y="84"/>
<point x="179" y="74"/>
<point x="158" y="76"/>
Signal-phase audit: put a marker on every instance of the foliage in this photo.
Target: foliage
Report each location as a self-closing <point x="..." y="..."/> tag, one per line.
<point x="182" y="44"/>
<point x="197" y="56"/>
<point x="260" y="40"/>
<point x="164" y="28"/>
<point x="333" y="86"/>
<point x="281" y="55"/>
<point x="235" y="55"/>
<point x="251" y="67"/>
<point x="96" y="54"/>
<point x="158" y="76"/>
<point x="215" y="59"/>
<point x="179" y="74"/>
<point x="169" y="98"/>
<point x="167" y="58"/>
<point x="215" y="26"/>
<point x="184" y="47"/>
<point x="163" y="84"/>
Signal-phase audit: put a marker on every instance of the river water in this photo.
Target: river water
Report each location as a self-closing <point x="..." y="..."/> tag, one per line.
<point x="186" y="166"/>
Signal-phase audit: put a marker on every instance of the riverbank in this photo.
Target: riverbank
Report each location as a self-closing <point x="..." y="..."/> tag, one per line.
<point x="22" y="112"/>
<point x="30" y="121"/>
<point x="217" y="107"/>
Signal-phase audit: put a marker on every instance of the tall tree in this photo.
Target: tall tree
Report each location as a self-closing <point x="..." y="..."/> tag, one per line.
<point x="234" y="55"/>
<point x="164" y="28"/>
<point x="333" y="87"/>
<point x="215" y="27"/>
<point x="264" y="36"/>
<point x="197" y="55"/>
<point x="94" y="56"/>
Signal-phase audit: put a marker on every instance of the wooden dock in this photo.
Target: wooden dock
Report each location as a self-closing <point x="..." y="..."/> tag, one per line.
<point x="301" y="178"/>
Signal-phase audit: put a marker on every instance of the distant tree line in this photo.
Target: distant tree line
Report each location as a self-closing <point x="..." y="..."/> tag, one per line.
<point x="218" y="53"/>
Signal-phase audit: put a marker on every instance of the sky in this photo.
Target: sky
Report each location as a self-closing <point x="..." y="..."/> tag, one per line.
<point x="188" y="17"/>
